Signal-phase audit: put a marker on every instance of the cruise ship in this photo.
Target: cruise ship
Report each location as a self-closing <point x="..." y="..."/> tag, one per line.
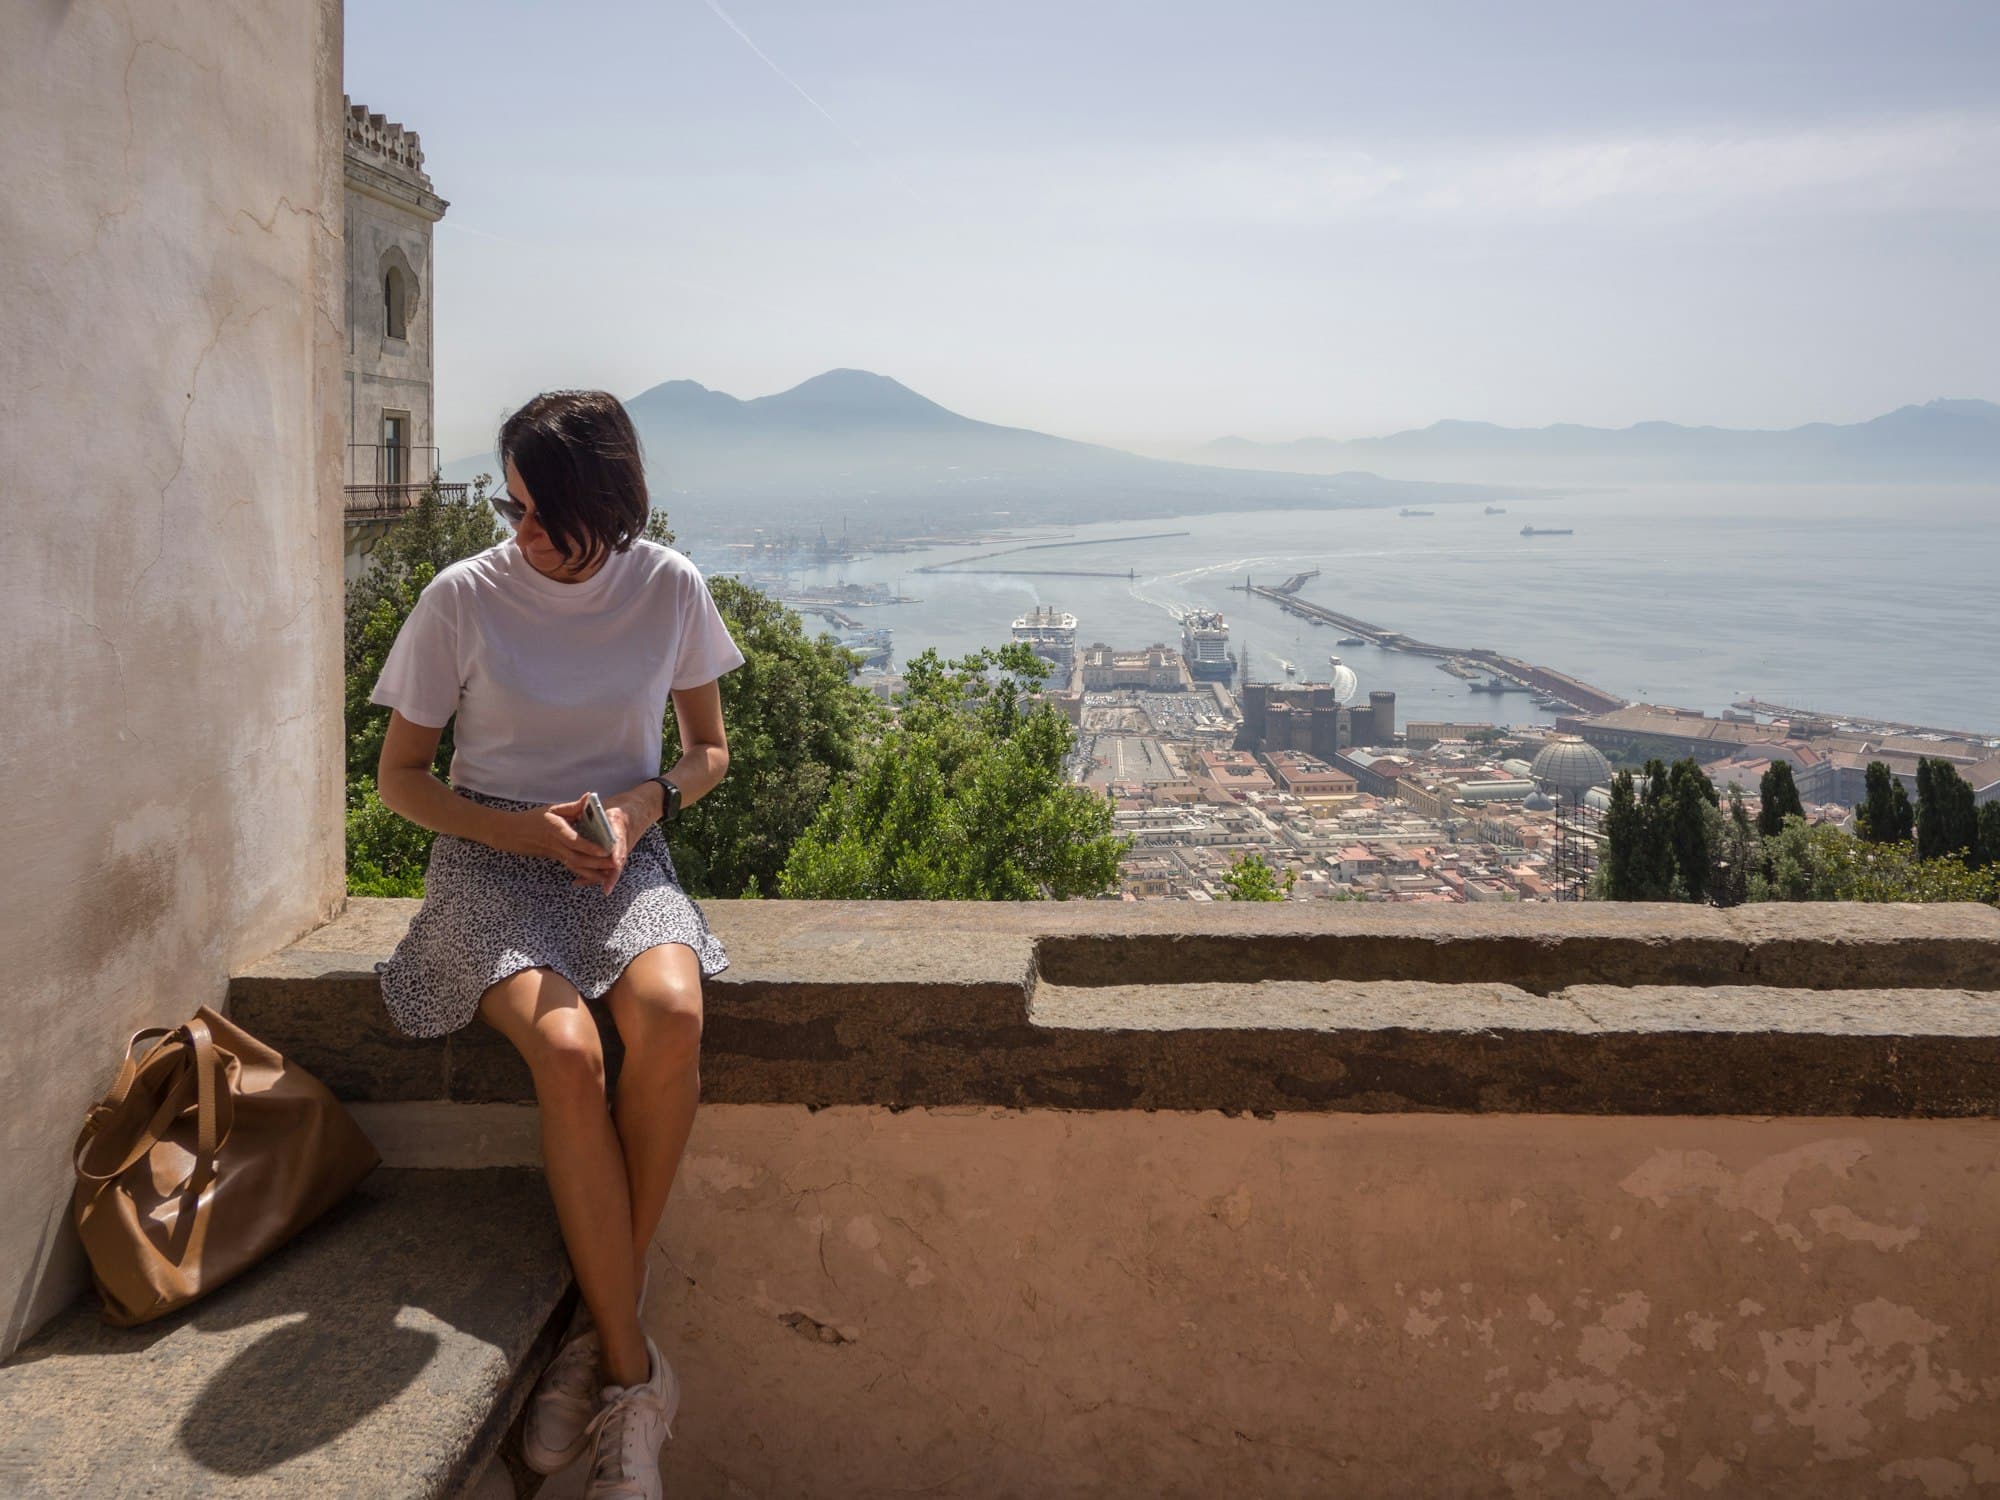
<point x="1205" y="644"/>
<point x="1051" y="634"/>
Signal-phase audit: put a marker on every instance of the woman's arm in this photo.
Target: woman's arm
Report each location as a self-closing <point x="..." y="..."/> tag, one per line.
<point x="704" y="758"/>
<point x="404" y="781"/>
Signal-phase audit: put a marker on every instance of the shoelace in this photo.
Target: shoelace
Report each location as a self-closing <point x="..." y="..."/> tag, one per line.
<point x="620" y="1433"/>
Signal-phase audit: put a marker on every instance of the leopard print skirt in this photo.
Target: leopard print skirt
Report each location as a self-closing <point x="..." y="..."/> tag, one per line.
<point x="488" y="914"/>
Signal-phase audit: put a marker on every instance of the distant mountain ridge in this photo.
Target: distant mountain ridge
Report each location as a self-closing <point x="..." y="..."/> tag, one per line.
<point x="1940" y="441"/>
<point x="855" y="448"/>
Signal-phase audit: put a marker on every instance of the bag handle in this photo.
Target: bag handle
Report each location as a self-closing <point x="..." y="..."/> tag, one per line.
<point x="215" y="1106"/>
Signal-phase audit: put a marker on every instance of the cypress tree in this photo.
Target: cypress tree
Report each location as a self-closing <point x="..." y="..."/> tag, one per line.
<point x="1654" y="864"/>
<point x="1902" y="816"/>
<point x="1690" y="796"/>
<point x="1930" y="829"/>
<point x="1947" y="819"/>
<point x="1731" y="886"/>
<point x="1621" y="840"/>
<point x="1778" y="796"/>
<point x="1987" y="850"/>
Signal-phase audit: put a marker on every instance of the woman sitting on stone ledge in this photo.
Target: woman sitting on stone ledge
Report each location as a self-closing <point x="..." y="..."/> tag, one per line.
<point x="556" y="652"/>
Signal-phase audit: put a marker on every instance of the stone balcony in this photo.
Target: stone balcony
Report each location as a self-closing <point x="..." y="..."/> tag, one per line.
<point x="1085" y="1199"/>
<point x="1088" y="1199"/>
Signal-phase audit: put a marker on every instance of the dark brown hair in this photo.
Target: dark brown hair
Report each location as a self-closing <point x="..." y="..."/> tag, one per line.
<point x="578" y="454"/>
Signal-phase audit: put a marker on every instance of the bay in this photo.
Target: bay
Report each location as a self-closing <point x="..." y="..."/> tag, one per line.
<point x="1867" y="600"/>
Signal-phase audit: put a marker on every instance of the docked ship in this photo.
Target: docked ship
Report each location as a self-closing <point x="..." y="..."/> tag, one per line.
<point x="1051" y="634"/>
<point x="1548" y="531"/>
<point x="1205" y="644"/>
<point x="1352" y="640"/>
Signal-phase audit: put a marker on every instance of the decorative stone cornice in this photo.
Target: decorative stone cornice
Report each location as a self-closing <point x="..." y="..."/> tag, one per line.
<point x="385" y="161"/>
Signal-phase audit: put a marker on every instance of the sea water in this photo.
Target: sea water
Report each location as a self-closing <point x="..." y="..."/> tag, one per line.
<point x="1845" y="599"/>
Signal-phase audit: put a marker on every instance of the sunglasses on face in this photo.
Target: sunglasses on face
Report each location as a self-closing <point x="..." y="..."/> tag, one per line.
<point x="512" y="511"/>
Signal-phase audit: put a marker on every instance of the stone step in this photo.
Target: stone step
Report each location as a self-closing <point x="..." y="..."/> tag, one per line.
<point x="1093" y="1005"/>
<point x="381" y="1355"/>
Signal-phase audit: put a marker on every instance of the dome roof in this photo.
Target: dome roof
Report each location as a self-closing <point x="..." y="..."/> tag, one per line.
<point x="1538" y="802"/>
<point x="1569" y="766"/>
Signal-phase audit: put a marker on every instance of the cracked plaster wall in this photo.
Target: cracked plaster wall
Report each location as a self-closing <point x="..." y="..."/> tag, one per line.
<point x="990" y="1303"/>
<point x="171" y="328"/>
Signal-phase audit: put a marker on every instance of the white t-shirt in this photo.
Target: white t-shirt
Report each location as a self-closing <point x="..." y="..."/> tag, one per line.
<point x="559" y="688"/>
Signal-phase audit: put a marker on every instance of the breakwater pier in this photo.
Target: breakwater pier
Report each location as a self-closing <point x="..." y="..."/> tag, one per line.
<point x="1506" y="669"/>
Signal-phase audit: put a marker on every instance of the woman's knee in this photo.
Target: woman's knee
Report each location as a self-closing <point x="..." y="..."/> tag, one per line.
<point x="659" y="1018"/>
<point x="565" y="1053"/>
<point x="553" y="1031"/>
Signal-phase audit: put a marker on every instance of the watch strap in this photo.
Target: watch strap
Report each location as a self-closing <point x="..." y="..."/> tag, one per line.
<point x="670" y="798"/>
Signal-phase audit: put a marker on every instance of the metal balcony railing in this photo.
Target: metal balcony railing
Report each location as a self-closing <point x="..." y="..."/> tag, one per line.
<point x="384" y="481"/>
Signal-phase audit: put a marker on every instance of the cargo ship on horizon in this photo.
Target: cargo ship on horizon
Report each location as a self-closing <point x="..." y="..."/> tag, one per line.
<point x="1548" y="531"/>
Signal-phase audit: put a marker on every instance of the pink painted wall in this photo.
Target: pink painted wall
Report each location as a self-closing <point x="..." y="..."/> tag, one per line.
<point x="986" y="1303"/>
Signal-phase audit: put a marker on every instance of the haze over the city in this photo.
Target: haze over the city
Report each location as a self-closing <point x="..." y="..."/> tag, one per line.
<point x="1155" y="225"/>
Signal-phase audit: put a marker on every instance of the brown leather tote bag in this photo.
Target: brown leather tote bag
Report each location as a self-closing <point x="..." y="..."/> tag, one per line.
<point x="208" y="1153"/>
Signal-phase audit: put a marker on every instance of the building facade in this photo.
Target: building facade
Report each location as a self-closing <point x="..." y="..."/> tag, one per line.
<point x="1155" y="669"/>
<point x="388" y="210"/>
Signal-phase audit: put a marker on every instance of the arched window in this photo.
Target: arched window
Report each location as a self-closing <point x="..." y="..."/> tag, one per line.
<point x="394" y="303"/>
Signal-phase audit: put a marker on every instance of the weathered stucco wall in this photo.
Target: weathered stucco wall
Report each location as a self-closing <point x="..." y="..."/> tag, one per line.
<point x="171" y="416"/>
<point x="983" y="1302"/>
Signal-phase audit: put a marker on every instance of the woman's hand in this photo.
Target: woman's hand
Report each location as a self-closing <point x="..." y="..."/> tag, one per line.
<point x="550" y="833"/>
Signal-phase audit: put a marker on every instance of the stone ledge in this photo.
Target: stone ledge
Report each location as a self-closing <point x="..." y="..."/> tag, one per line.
<point x="1593" y="1009"/>
<point x="382" y="1355"/>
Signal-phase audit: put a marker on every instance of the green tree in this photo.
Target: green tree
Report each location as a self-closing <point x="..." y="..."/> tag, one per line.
<point x="436" y="532"/>
<point x="1805" y="862"/>
<point x="963" y="797"/>
<point x="1691" y="804"/>
<point x="1251" y="879"/>
<point x="1947" y="819"/>
<point x="1661" y="842"/>
<point x="797" y="724"/>
<point x="386" y="854"/>
<point x="1885" y="815"/>
<point x="1617" y="874"/>
<point x="1778" y="798"/>
<point x="1986" y="854"/>
<point x="1736" y="853"/>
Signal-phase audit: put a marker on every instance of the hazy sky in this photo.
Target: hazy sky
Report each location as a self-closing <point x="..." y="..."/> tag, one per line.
<point x="1151" y="222"/>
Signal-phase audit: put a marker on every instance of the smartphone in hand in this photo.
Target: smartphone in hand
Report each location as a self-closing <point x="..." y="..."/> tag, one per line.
<point x="594" y="825"/>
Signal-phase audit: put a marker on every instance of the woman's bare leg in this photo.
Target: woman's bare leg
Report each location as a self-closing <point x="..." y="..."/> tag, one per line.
<point x="541" y="1013"/>
<point x="657" y="1005"/>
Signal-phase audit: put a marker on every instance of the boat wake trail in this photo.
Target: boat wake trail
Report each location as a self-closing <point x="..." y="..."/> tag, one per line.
<point x="1141" y="589"/>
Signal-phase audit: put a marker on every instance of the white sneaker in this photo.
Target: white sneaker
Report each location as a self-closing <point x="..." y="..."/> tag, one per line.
<point x="566" y="1398"/>
<point x="628" y="1431"/>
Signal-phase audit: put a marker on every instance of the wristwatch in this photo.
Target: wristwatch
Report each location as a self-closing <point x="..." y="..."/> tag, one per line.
<point x="670" y="799"/>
